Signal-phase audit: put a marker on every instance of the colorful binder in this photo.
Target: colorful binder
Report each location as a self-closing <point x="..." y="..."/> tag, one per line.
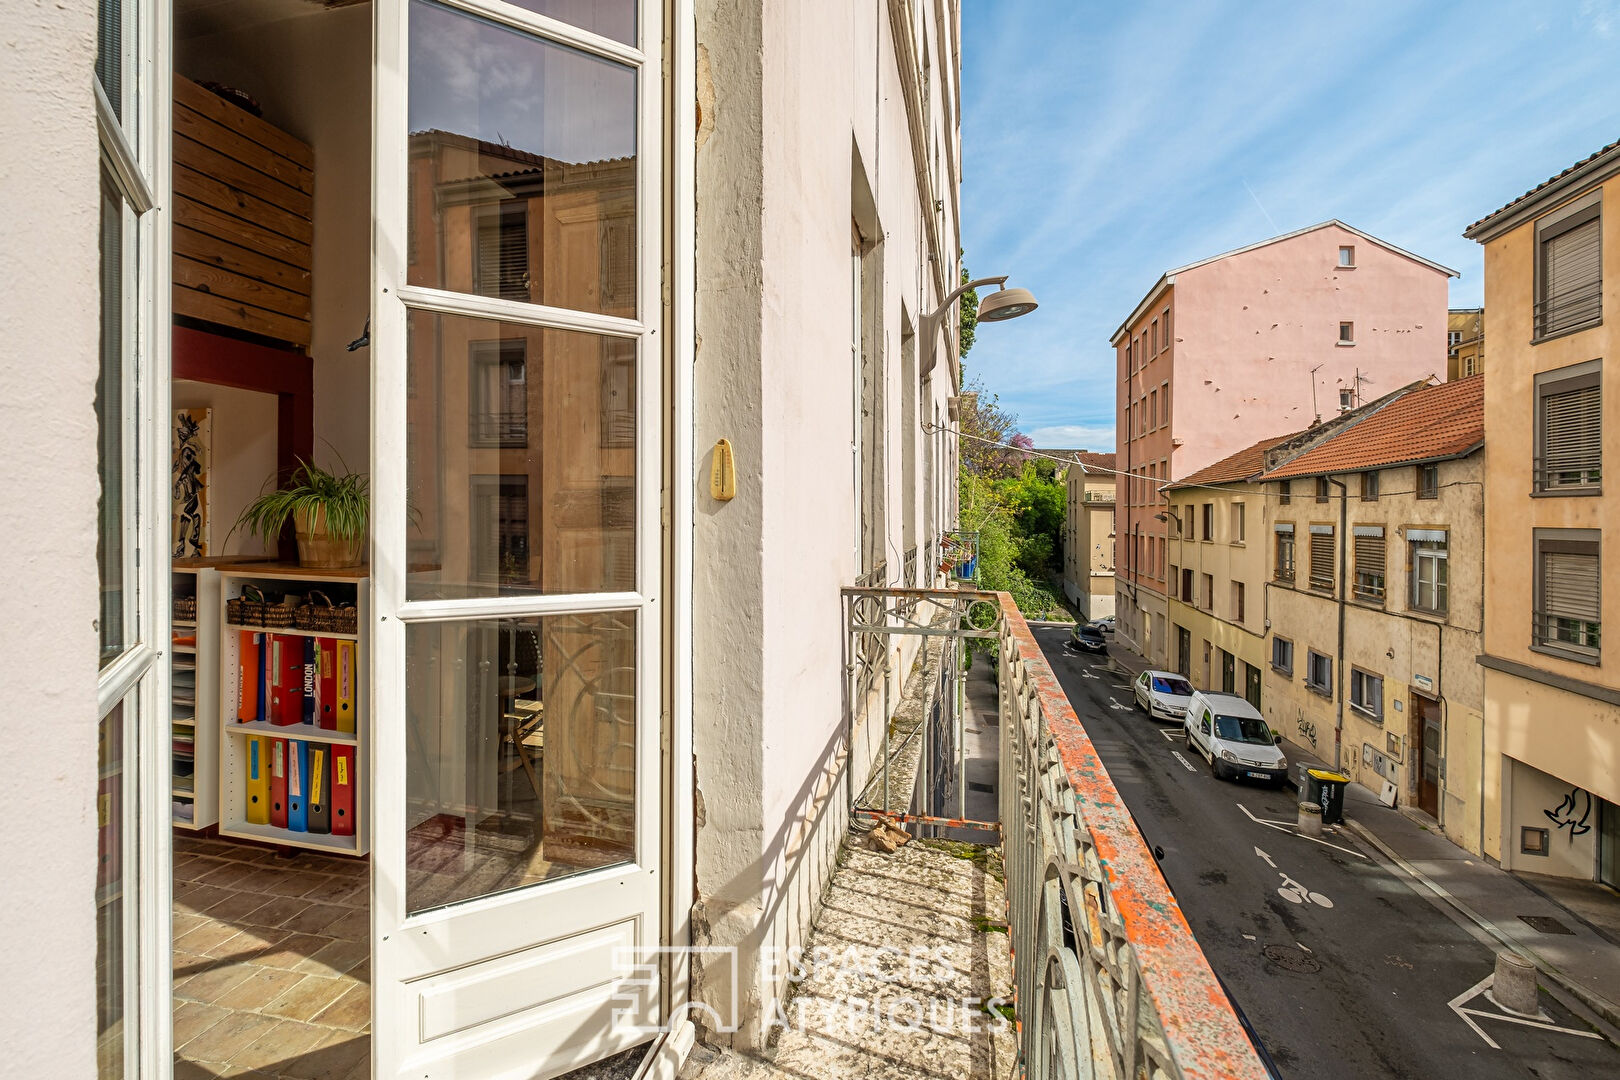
<point x="343" y="779"/>
<point x="320" y="788"/>
<point x="278" y="782"/>
<point x="308" y="705"/>
<point x="326" y="684"/>
<point x="258" y="782"/>
<point x="345" y="686"/>
<point x="297" y="785"/>
<point x="248" y="676"/>
<point x="287" y="679"/>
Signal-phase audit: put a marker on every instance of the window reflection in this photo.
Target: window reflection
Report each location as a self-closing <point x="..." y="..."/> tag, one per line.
<point x="523" y="166"/>
<point x="522" y="752"/>
<point x="614" y="19"/>
<point x="521" y="459"/>
<point x="111" y="867"/>
<point x="110" y="420"/>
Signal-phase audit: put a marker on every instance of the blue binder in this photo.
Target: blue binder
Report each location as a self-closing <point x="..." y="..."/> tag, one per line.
<point x="297" y="785"/>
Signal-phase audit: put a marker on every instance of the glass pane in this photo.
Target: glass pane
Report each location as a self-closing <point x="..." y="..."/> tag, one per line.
<point x="521" y="752"/>
<point x="614" y="19"/>
<point x="110" y="421"/>
<point x="521" y="459"/>
<point x="523" y="166"/>
<point x="114" y="906"/>
<point x="110" y="52"/>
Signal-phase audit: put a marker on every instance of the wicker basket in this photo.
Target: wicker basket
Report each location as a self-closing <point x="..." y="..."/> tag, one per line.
<point x="247" y="609"/>
<point x="323" y="616"/>
<point x="185" y="609"/>
<point x="281" y="614"/>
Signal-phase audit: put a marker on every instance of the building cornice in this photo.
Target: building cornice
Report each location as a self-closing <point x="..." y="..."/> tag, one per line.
<point x="1606" y="694"/>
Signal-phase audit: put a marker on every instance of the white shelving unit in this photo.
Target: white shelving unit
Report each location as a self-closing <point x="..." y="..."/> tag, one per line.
<point x="235" y="736"/>
<point x="193" y="717"/>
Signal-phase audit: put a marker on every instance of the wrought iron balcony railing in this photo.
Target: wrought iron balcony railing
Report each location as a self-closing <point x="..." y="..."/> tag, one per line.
<point x="1110" y="981"/>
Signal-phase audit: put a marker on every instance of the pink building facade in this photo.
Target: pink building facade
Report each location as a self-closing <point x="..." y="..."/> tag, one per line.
<point x="1260" y="341"/>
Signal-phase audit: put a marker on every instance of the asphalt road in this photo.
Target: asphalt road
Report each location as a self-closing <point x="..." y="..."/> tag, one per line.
<point x="1355" y="979"/>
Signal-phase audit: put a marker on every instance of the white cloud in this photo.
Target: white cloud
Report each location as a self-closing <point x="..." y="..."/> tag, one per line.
<point x="1094" y="437"/>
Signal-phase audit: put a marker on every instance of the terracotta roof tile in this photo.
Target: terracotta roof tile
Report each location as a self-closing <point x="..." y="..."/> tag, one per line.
<point x="1244" y="464"/>
<point x="1436" y="422"/>
<point x="1095" y="463"/>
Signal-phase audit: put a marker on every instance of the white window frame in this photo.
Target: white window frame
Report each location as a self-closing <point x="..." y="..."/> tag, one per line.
<point x="135" y="152"/>
<point x="1420" y="556"/>
<point x="1312" y="657"/>
<point x="1281" y="646"/>
<point x="1347" y="257"/>
<point x="1347" y="333"/>
<point x="1367" y="694"/>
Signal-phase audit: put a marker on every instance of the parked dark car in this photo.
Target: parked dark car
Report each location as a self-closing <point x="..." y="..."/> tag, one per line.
<point x="1089" y="638"/>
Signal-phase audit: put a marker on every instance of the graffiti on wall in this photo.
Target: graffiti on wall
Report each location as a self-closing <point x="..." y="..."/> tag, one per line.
<point x="1307" y="728"/>
<point x="1563" y="815"/>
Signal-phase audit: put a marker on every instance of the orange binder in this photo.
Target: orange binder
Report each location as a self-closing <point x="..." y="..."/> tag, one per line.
<point x="343" y="781"/>
<point x="247" y="676"/>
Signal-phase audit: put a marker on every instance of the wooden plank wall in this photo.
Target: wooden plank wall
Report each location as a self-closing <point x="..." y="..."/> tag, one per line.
<point x="244" y="204"/>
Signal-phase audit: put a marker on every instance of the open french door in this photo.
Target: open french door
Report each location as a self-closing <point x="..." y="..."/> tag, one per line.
<point x="515" y="540"/>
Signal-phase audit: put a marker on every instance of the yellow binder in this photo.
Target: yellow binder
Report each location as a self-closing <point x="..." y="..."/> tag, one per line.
<point x="345" y="686"/>
<point x="258" y="781"/>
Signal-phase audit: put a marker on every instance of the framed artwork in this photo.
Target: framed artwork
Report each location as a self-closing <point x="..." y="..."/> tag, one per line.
<point x="192" y="445"/>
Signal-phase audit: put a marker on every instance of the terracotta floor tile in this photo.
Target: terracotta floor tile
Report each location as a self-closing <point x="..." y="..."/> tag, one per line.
<point x="274" y="910"/>
<point x="206" y="937"/>
<point x="196" y="897"/>
<point x="355" y="926"/>
<point x="282" y="1043"/>
<point x="258" y="879"/>
<point x="238" y="909"/>
<point x="194" y="867"/>
<point x="262" y="986"/>
<point x="352" y="1011"/>
<point x="357" y="894"/>
<point x="226" y="873"/>
<point x="293" y="951"/>
<point x="184" y="922"/>
<point x="328" y="887"/>
<point x="307" y="997"/>
<point x="229" y="1037"/>
<point x="334" y="1058"/>
<point x="361" y="1070"/>
<point x="190" y="1070"/>
<point x="294" y="883"/>
<point x="192" y="1018"/>
<point x="314" y="918"/>
<point x="249" y="943"/>
<point x="336" y="958"/>
<point x="209" y="986"/>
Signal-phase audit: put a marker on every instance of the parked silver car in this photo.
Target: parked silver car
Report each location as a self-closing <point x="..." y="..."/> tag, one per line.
<point x="1163" y="695"/>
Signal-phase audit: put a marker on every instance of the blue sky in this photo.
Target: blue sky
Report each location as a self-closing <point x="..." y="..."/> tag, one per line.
<point x="1105" y="143"/>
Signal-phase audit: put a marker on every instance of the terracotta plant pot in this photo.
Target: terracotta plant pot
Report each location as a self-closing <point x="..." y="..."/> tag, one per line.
<point x="317" y="550"/>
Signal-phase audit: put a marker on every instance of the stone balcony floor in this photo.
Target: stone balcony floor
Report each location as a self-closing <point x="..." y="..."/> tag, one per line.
<point x="907" y="950"/>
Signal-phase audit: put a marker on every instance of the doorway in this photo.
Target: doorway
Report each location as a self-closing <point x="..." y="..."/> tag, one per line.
<point x="1184" y="651"/>
<point x="1426" y="733"/>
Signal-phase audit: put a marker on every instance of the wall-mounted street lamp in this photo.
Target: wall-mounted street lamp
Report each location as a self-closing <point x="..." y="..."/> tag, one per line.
<point x="999" y="306"/>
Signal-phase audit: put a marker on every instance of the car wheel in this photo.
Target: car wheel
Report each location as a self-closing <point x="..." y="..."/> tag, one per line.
<point x="1219" y="770"/>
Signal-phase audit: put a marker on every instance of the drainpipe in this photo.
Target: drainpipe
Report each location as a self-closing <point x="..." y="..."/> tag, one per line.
<point x="1344" y="545"/>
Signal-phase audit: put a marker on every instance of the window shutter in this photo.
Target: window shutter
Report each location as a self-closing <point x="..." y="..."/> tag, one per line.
<point x="1369" y="551"/>
<point x="1572" y="428"/>
<point x="1569" y="586"/>
<point x="1322" y="557"/>
<point x="1571" y="278"/>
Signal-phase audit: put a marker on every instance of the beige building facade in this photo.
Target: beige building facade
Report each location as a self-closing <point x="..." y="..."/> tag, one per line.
<point x="1465" y="342"/>
<point x="1088" y="535"/>
<point x="1375" y="601"/>
<point x="1552" y="685"/>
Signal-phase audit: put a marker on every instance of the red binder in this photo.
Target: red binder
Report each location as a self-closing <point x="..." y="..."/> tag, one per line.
<point x="247" y="676"/>
<point x="343" y="780"/>
<point x="286" y="679"/>
<point x="278" y="782"/>
<point x="326" y="685"/>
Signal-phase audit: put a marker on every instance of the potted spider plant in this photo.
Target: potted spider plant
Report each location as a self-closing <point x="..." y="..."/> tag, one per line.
<point x="329" y="512"/>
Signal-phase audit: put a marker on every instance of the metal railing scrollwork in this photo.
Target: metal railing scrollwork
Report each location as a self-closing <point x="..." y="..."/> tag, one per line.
<point x="1109" y="979"/>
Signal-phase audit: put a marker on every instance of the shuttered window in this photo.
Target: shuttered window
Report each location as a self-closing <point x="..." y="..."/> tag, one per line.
<point x="1569" y="428"/>
<point x="503" y="253"/>
<point x="1284" y="568"/>
<point x="1569" y="604"/>
<point x="1369" y="553"/>
<point x="1322" y="557"/>
<point x="1569" y="294"/>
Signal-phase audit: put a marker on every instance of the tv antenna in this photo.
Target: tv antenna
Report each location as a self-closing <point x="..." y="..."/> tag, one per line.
<point x="1314" y="410"/>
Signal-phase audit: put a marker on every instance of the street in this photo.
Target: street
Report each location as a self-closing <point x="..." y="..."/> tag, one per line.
<point x="1340" y="967"/>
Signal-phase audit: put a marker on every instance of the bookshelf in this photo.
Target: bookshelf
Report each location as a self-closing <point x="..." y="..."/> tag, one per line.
<point x="320" y="750"/>
<point x="194" y="697"/>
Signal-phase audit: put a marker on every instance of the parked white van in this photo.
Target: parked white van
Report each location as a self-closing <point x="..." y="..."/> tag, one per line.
<point x="1234" y="737"/>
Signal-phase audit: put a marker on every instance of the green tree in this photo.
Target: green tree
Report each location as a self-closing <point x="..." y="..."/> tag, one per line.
<point x="969" y="307"/>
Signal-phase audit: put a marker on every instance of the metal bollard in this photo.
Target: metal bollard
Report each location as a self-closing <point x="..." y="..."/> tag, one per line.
<point x="1514" y="986"/>
<point x="1310" y="819"/>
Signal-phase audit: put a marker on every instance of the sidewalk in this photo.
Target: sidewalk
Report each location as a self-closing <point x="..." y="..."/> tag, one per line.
<point x="1582" y="961"/>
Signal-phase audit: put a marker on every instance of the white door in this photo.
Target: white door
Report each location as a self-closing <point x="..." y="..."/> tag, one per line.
<point x="515" y="471"/>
